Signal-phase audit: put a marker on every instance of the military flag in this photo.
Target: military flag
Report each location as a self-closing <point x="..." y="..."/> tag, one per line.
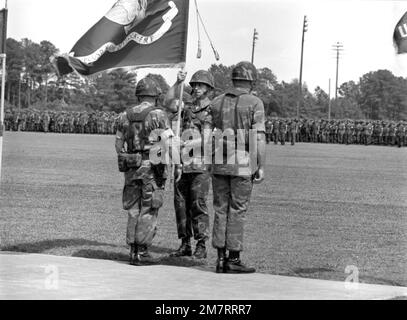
<point x="3" y="30"/>
<point x="137" y="33"/>
<point x="400" y="35"/>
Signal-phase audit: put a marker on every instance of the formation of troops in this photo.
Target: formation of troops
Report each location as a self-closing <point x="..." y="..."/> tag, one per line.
<point x="278" y="130"/>
<point x="364" y="132"/>
<point x="98" y="122"/>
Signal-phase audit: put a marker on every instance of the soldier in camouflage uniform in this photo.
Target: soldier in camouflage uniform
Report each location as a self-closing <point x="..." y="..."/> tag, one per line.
<point x="349" y="128"/>
<point x="191" y="187"/>
<point x="45" y="119"/>
<point x="368" y="133"/>
<point x="358" y="132"/>
<point x="237" y="110"/>
<point x="139" y="129"/>
<point x="401" y="134"/>
<point x="269" y="129"/>
<point x="314" y="131"/>
<point x="8" y="120"/>
<point x="292" y="131"/>
<point x="275" y="131"/>
<point x="299" y="129"/>
<point x="282" y="131"/>
<point x="385" y="133"/>
<point x="392" y="133"/>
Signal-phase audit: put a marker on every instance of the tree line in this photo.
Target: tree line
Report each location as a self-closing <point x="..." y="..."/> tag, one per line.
<point x="32" y="82"/>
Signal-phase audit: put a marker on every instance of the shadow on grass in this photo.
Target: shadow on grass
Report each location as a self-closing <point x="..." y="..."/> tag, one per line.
<point x="44" y="245"/>
<point x="118" y="256"/>
<point x="100" y="254"/>
<point x="180" y="262"/>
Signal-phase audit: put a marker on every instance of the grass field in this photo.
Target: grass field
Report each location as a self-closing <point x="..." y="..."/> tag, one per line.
<point x="322" y="207"/>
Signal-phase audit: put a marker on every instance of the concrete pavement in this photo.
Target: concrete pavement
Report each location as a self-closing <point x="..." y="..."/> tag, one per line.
<point x="40" y="276"/>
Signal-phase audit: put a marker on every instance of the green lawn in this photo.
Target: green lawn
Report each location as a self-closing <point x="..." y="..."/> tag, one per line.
<point x="321" y="208"/>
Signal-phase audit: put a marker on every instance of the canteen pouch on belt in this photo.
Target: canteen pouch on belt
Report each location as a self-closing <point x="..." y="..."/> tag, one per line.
<point x="121" y="160"/>
<point x="129" y="161"/>
<point x="157" y="198"/>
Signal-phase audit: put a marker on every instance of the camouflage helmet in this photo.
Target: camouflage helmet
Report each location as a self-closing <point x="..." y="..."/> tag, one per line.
<point x="203" y="76"/>
<point x="244" y="71"/>
<point x="148" y="87"/>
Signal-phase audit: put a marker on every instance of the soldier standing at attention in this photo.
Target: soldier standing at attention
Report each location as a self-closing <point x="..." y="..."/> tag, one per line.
<point x="139" y="130"/>
<point x="385" y="134"/>
<point x="192" y="179"/>
<point x="401" y="134"/>
<point x="269" y="128"/>
<point x="275" y="130"/>
<point x="292" y="131"/>
<point x="238" y="111"/>
<point x="283" y="131"/>
<point x="392" y="133"/>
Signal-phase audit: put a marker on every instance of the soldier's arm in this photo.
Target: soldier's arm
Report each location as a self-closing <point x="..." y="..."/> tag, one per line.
<point x="119" y="142"/>
<point x="258" y="124"/>
<point x="161" y="136"/>
<point x="173" y="93"/>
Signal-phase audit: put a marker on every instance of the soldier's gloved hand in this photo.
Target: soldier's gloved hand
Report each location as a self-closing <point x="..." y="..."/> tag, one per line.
<point x="177" y="173"/>
<point x="259" y="176"/>
<point x="181" y="76"/>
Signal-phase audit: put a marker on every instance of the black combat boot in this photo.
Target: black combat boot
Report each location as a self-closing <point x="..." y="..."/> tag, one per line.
<point x="133" y="253"/>
<point x="220" y="263"/>
<point x="143" y="257"/>
<point x="184" y="250"/>
<point x="200" y="250"/>
<point x="234" y="265"/>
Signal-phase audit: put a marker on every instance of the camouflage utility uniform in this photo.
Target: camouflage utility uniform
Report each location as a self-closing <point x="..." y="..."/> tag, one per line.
<point x="232" y="184"/>
<point x="144" y="181"/>
<point x="191" y="191"/>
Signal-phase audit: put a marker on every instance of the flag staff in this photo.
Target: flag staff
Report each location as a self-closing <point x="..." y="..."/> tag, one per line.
<point x="178" y="126"/>
<point x="3" y="78"/>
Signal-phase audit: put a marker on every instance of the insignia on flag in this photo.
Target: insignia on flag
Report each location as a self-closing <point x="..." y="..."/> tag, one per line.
<point x="400" y="35"/>
<point x="137" y="33"/>
<point x="3" y="30"/>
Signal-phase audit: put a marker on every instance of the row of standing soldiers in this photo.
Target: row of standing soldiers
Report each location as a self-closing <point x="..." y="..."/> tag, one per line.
<point x="33" y="120"/>
<point x="363" y="132"/>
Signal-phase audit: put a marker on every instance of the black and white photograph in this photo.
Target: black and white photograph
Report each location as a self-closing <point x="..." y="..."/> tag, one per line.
<point x="203" y="154"/>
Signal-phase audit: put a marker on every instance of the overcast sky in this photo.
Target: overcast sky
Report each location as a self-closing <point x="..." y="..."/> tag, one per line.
<point x="364" y="27"/>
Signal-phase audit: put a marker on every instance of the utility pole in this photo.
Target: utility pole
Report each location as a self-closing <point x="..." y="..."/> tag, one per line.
<point x="338" y="47"/>
<point x="329" y="100"/>
<point x="255" y="37"/>
<point x="304" y="29"/>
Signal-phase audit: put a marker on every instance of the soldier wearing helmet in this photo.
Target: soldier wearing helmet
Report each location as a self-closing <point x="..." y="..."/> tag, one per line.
<point x="191" y="187"/>
<point x="240" y="112"/>
<point x="139" y="129"/>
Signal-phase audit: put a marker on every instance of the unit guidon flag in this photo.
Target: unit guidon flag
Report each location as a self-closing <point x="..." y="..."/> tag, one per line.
<point x="400" y="35"/>
<point x="138" y="33"/>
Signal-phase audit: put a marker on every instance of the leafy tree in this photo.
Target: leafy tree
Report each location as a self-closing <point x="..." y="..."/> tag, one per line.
<point x="14" y="65"/>
<point x="222" y="75"/>
<point x="382" y="95"/>
<point x="47" y="72"/>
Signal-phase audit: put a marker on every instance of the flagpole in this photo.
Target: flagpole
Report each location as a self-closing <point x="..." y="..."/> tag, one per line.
<point x="2" y="128"/>
<point x="178" y="127"/>
<point x="3" y="55"/>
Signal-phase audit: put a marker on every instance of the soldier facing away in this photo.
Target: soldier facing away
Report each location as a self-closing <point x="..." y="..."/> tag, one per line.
<point x="139" y="129"/>
<point x="237" y="110"/>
